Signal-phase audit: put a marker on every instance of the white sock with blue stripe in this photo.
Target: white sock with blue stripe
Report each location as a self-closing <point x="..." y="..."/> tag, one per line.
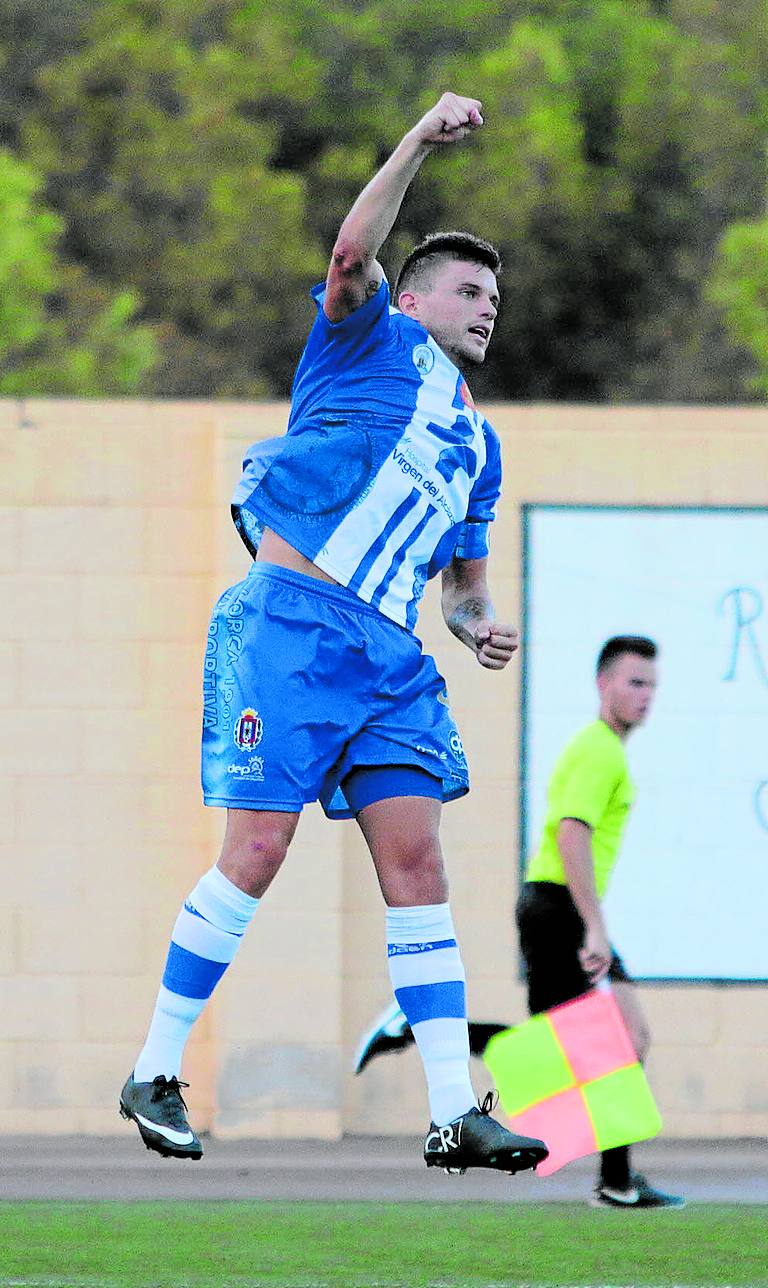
<point x="206" y="937"/>
<point x="428" y="979"/>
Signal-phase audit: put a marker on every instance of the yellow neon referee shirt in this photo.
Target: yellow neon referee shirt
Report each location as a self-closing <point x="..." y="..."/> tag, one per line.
<point x="590" y="782"/>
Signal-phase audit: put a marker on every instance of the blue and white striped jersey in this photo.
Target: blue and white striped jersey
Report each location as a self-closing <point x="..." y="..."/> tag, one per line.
<point x="387" y="469"/>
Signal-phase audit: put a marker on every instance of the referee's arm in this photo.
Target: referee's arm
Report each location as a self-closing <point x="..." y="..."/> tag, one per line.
<point x="574" y="841"/>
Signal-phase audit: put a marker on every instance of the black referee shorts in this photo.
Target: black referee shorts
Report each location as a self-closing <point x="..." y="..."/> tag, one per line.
<point x="551" y="934"/>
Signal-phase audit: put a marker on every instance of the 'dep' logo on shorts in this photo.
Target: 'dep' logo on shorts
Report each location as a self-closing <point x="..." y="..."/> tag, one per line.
<point x="423" y="359"/>
<point x="249" y="728"/>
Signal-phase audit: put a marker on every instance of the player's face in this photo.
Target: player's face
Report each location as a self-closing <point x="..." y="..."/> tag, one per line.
<point x="626" y="691"/>
<point x="458" y="310"/>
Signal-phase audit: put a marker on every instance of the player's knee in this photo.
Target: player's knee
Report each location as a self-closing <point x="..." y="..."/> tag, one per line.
<point x="252" y="856"/>
<point x="418" y="857"/>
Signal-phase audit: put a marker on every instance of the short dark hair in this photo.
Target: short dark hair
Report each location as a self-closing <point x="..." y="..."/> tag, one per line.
<point x="418" y="266"/>
<point x="618" y="645"/>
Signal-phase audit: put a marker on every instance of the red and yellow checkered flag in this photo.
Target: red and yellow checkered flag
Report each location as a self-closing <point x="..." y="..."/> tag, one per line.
<point x="570" y="1076"/>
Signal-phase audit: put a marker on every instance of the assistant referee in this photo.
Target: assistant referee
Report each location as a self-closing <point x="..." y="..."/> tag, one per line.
<point x="563" y="935"/>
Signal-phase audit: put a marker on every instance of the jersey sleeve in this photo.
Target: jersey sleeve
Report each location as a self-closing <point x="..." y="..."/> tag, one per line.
<point x="587" y="786"/>
<point x="473" y="540"/>
<point x="369" y="323"/>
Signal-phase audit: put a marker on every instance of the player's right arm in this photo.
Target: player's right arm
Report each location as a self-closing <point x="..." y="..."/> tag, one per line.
<point x="355" y="274"/>
<point x="574" y="841"/>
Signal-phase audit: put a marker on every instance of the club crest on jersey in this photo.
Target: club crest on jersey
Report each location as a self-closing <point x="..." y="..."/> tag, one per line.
<point x="249" y="728"/>
<point x="466" y="396"/>
<point x="423" y="359"/>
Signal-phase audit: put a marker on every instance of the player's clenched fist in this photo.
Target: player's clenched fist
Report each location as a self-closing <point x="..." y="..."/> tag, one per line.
<point x="449" y="120"/>
<point x="495" y="642"/>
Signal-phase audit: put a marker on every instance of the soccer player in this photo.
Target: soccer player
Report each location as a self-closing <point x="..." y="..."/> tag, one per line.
<point x="315" y="686"/>
<point x="563" y="933"/>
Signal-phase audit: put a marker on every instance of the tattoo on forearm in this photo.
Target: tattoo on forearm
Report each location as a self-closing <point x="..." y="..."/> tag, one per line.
<point x="469" y="610"/>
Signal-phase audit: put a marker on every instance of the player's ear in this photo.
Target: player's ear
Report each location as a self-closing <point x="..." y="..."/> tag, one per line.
<point x="408" y="303"/>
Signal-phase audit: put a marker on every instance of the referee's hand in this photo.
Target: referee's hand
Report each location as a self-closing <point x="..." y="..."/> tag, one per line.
<point x="595" y="956"/>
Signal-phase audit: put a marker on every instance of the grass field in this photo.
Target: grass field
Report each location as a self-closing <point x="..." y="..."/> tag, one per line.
<point x="370" y="1245"/>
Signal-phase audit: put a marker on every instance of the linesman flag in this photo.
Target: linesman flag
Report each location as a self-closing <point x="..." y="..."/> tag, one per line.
<point x="570" y="1076"/>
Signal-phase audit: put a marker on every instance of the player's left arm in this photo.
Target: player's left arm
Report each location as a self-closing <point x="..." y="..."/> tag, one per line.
<point x="469" y="613"/>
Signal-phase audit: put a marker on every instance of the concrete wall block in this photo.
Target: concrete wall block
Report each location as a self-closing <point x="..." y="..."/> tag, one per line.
<point x="69" y="1075"/>
<point x="180" y="453"/>
<point x="271" y="1125"/>
<point x="9" y="674"/>
<point x="40" y="744"/>
<point x="685" y="1080"/>
<point x="303" y="1008"/>
<point x="174" y="813"/>
<point x="116" y="1008"/>
<point x="9" y="949"/>
<point x="389" y="1098"/>
<point x="277" y="942"/>
<point x="476" y="820"/>
<point x="40" y="607"/>
<point x="726" y="454"/>
<point x="39" y="1008"/>
<point x="7" y="1054"/>
<point x="174" y="675"/>
<point x="79" y="939"/>
<point x="741" y="1079"/>
<point x="156" y="875"/>
<point x="743" y="1016"/>
<point x="145" y="608"/>
<point x="87" y="676"/>
<point x="181" y="539"/>
<point x="80" y="810"/>
<point x="90" y="462"/>
<point x="10" y="536"/>
<point x="7" y="810"/>
<point x="679" y="1125"/>
<point x="35" y="874"/>
<point x="496" y="999"/>
<point x="83" y="539"/>
<point x="306" y="881"/>
<point x="151" y="742"/>
<point x="41" y="1122"/>
<point x="680" y="1015"/>
<point x="294" y="1078"/>
<point x="743" y="1125"/>
<point x="65" y="870"/>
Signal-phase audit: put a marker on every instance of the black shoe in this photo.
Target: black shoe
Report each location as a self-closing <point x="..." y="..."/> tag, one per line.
<point x="477" y="1140"/>
<point x="159" y="1112"/>
<point x="640" y="1195"/>
<point x="390" y="1031"/>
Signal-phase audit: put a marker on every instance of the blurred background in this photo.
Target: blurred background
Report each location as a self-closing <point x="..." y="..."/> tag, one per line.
<point x="172" y="174"/>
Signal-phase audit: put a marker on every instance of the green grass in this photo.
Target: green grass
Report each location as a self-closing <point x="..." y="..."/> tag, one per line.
<point x="369" y="1245"/>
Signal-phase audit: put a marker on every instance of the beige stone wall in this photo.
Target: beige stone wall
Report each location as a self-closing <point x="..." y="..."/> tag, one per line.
<point x="114" y="542"/>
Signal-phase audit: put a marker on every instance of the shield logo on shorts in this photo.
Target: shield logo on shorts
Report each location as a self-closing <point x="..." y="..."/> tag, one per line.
<point x="248" y="729"/>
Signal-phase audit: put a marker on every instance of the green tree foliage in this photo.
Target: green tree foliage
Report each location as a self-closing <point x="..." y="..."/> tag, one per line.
<point x="202" y="153"/>
<point x="739" y="286"/>
<point x="157" y="145"/>
<point x="58" y="333"/>
<point x="31" y="36"/>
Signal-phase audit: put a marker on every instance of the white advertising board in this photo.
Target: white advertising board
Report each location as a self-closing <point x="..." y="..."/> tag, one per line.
<point x="689" y="896"/>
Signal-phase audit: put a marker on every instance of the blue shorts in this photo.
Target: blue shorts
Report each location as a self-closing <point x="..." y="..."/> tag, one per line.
<point x="303" y="684"/>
